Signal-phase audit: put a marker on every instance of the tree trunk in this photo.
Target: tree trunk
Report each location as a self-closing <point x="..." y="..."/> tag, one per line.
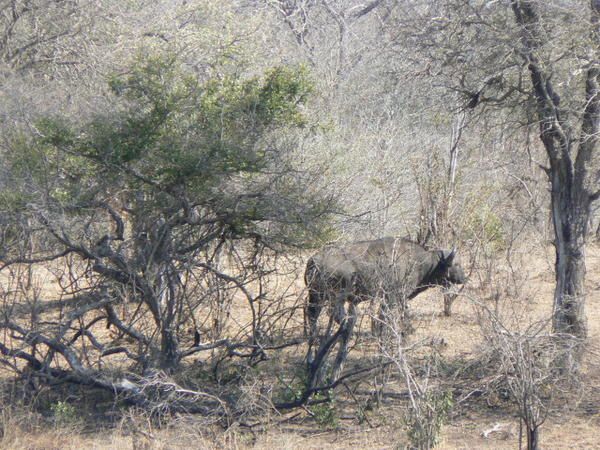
<point x="448" y="301"/>
<point x="533" y="438"/>
<point x="570" y="219"/>
<point x="169" y="343"/>
<point x="569" y="295"/>
<point x="572" y="180"/>
<point x="169" y="349"/>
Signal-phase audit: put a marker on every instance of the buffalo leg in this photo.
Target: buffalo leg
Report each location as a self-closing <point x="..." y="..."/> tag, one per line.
<point x="347" y="327"/>
<point x="312" y="311"/>
<point x="321" y="345"/>
<point x="337" y="314"/>
<point x="311" y="318"/>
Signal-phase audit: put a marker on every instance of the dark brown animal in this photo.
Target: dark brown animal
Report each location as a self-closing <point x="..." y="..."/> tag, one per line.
<point x="393" y="269"/>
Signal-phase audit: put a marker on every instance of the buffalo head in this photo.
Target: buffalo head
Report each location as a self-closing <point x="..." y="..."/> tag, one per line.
<point x="450" y="270"/>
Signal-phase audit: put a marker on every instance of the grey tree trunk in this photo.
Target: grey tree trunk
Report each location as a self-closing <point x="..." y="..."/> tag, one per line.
<point x="569" y="295"/>
<point x="533" y="436"/>
<point x="169" y="349"/>
<point x="169" y="342"/>
<point x="570" y="171"/>
<point x="152" y="247"/>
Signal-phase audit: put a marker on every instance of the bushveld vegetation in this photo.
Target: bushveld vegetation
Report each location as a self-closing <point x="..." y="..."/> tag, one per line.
<point x="168" y="167"/>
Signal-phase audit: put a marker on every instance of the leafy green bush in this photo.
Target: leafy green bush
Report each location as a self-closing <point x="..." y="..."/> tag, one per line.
<point x="63" y="412"/>
<point x="325" y="413"/>
<point x="215" y="143"/>
<point x="480" y="223"/>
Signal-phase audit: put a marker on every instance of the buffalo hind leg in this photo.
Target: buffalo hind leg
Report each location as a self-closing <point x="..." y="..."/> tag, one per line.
<point x="320" y="344"/>
<point x="347" y="328"/>
<point x="312" y="311"/>
<point x="317" y="365"/>
<point x="311" y="318"/>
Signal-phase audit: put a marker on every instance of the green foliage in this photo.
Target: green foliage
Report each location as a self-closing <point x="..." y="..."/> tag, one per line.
<point x="26" y="160"/>
<point x="325" y="413"/>
<point x="190" y="130"/>
<point x="216" y="142"/>
<point x="64" y="413"/>
<point x="294" y="390"/>
<point x="176" y="129"/>
<point x="479" y="222"/>
<point x="12" y="200"/>
<point x="485" y="226"/>
<point x="292" y="387"/>
<point x="425" y="422"/>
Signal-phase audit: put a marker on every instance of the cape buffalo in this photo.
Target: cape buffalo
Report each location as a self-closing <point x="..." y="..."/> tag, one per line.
<point x="393" y="269"/>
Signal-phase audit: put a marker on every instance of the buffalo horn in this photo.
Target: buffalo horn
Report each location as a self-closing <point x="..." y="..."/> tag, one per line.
<point x="449" y="256"/>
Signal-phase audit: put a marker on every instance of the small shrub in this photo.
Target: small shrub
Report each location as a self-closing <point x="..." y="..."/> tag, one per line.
<point x="425" y="422"/>
<point x="325" y="413"/>
<point x="482" y="224"/>
<point x="63" y="412"/>
<point x="292" y="389"/>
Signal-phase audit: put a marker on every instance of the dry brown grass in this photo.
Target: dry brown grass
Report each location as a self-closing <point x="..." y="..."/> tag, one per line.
<point x="575" y="427"/>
